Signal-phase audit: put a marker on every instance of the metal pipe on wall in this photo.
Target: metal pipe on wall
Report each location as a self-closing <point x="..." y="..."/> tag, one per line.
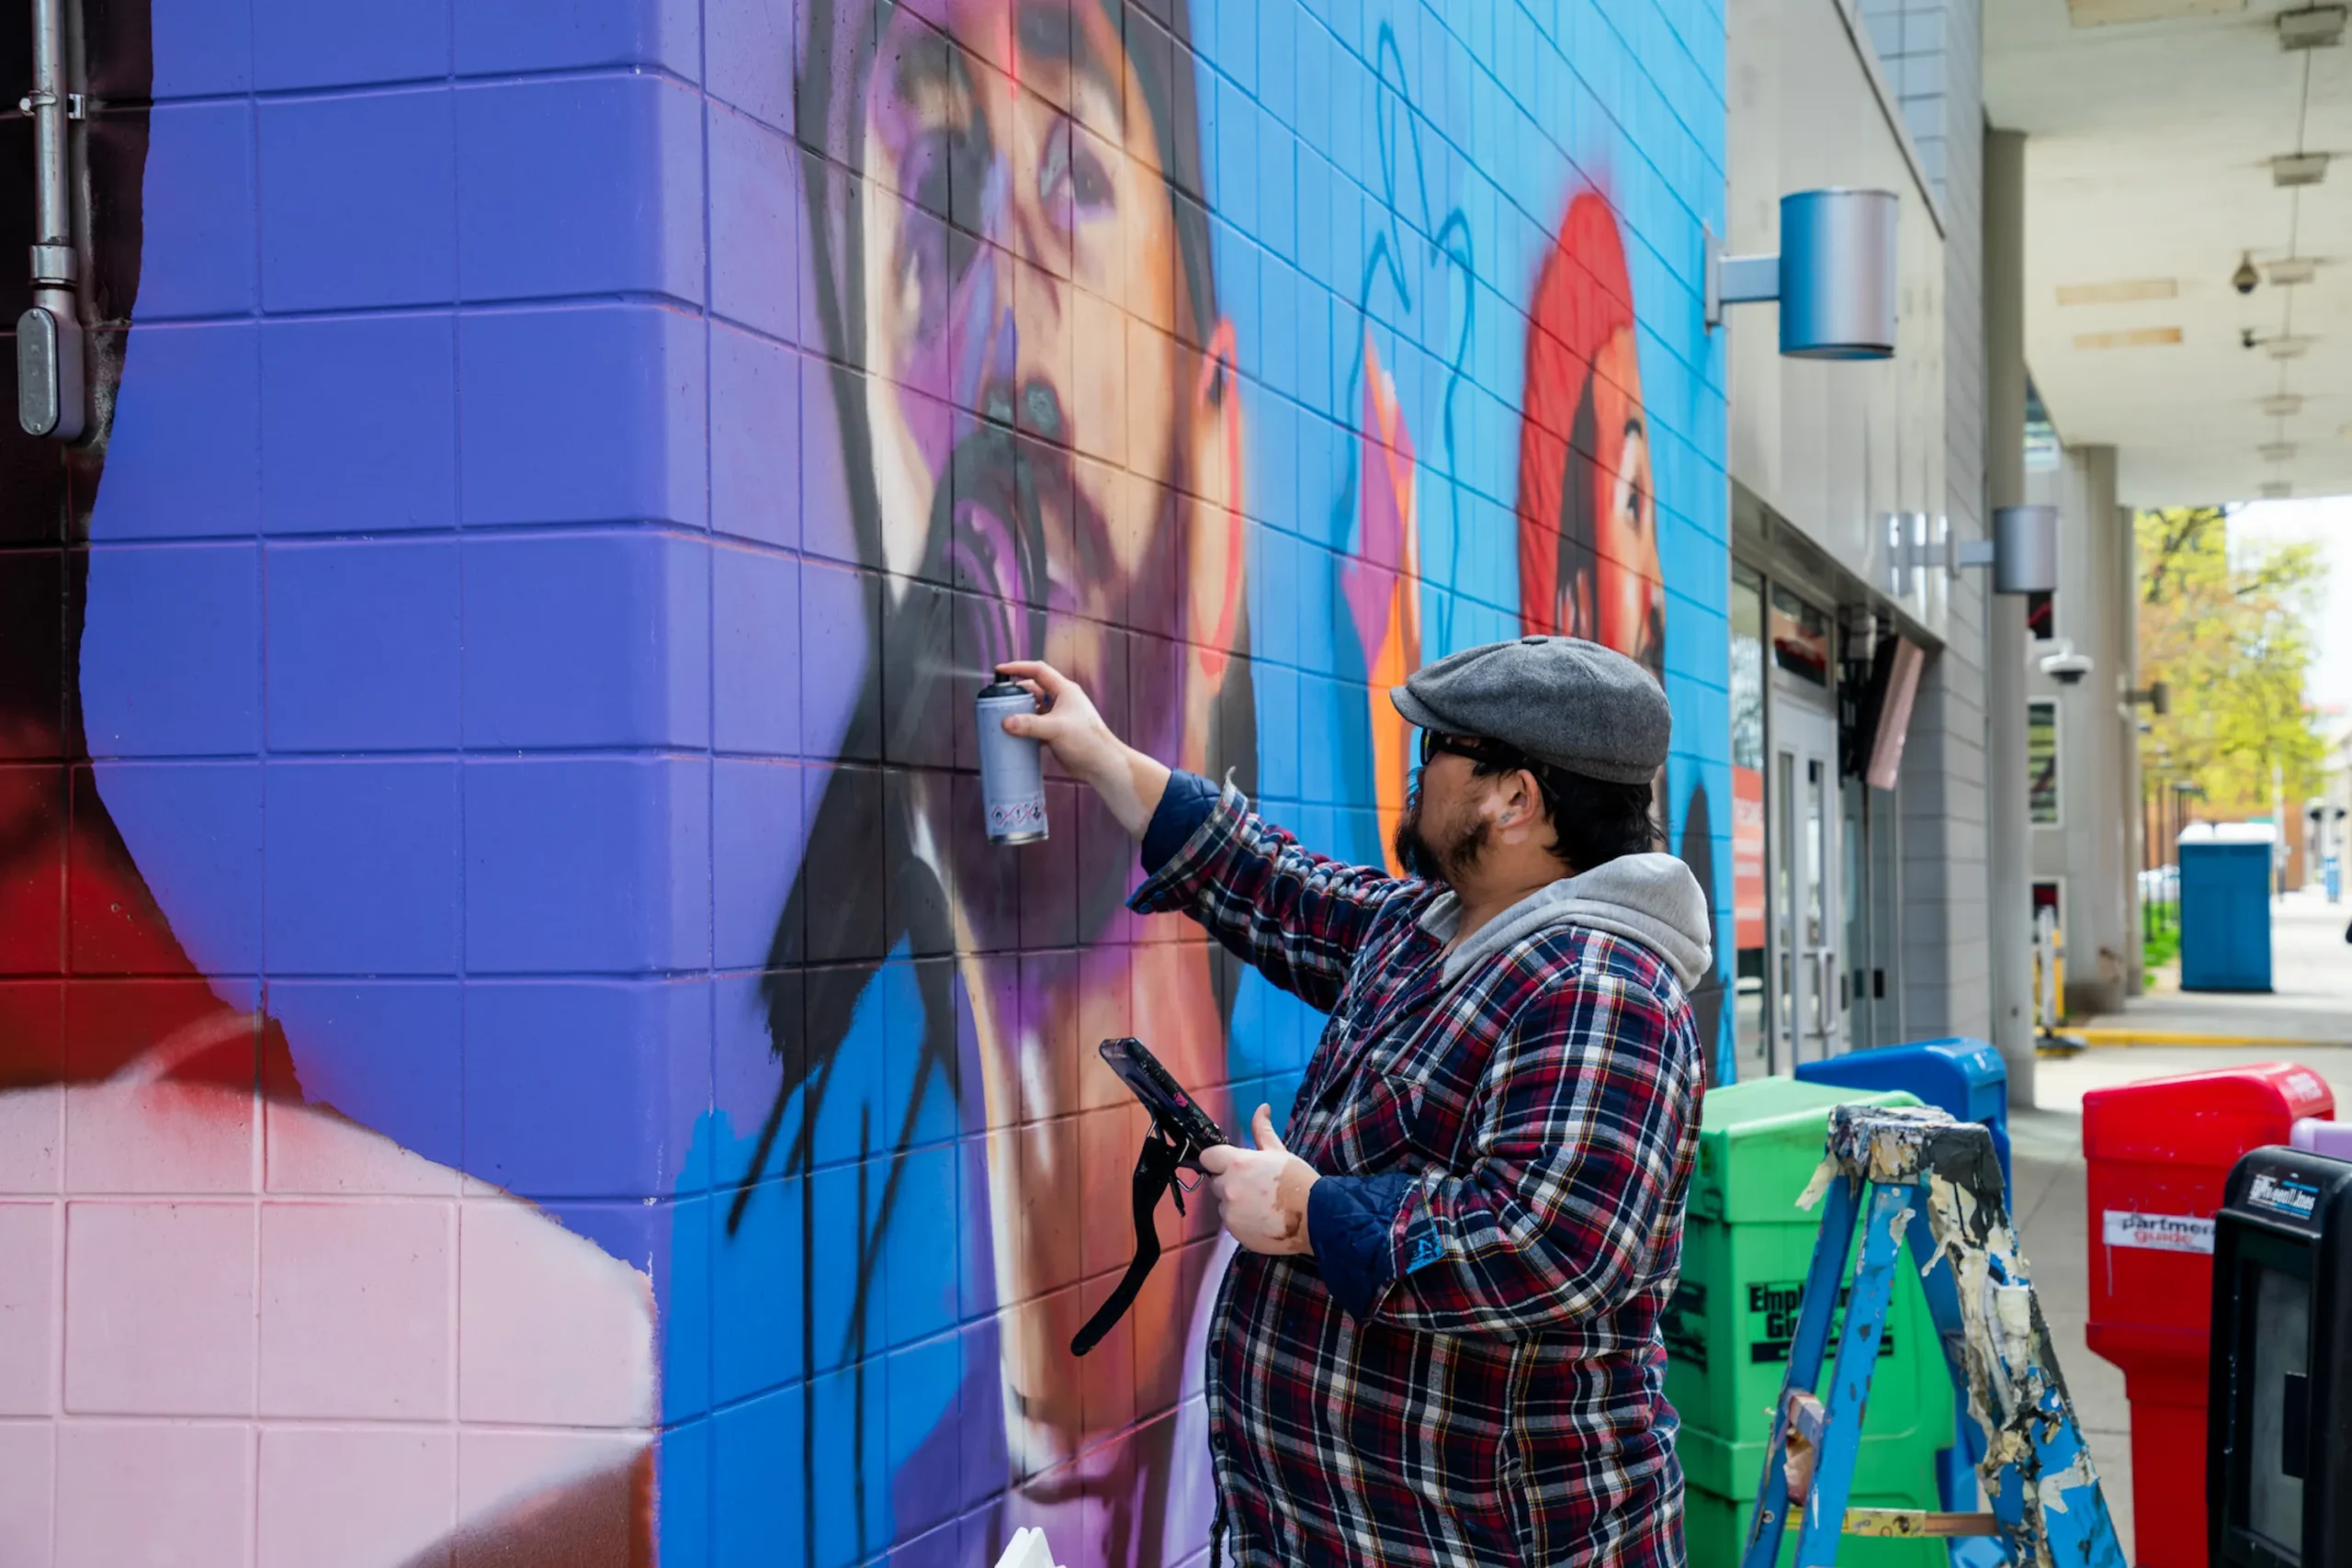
<point x="51" y="397"/>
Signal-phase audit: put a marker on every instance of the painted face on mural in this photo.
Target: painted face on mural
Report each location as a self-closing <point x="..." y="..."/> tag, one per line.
<point x="1588" y="544"/>
<point x="1628" y="606"/>
<point x="1037" y="423"/>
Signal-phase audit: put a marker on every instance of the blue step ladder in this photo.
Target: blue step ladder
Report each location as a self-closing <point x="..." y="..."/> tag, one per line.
<point x="1935" y="1182"/>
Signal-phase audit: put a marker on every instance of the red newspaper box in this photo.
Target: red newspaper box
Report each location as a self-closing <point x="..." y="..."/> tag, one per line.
<point x="2158" y="1154"/>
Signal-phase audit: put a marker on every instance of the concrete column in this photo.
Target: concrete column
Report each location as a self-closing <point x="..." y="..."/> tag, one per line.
<point x="2007" y="930"/>
<point x="2091" y="728"/>
<point x="2135" y="842"/>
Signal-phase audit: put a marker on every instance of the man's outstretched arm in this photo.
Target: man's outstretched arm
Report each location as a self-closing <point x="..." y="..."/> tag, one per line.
<point x="1298" y="918"/>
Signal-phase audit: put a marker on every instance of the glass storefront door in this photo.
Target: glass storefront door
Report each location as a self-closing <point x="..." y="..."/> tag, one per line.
<point x="1808" y="862"/>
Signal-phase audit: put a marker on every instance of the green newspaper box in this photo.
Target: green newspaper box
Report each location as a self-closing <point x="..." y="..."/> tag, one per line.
<point x="1745" y="1248"/>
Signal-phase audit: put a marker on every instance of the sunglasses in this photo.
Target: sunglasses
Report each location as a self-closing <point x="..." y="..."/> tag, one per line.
<point x="1493" y="754"/>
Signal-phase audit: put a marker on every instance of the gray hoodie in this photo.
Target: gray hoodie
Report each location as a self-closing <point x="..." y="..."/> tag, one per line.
<point x="1649" y="899"/>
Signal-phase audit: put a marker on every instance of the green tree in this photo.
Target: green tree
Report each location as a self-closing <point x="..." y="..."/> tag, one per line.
<point x="2229" y="631"/>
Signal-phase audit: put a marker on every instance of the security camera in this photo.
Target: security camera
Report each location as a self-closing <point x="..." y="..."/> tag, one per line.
<point x="2244" y="279"/>
<point x="2068" y="669"/>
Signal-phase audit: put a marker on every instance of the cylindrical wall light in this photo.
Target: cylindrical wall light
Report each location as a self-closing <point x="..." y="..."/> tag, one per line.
<point x="1835" y="276"/>
<point x="2024" y="550"/>
<point x="1838" y="273"/>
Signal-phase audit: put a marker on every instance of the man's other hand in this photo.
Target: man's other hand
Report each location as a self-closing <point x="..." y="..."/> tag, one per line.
<point x="1262" y="1193"/>
<point x="1129" y="783"/>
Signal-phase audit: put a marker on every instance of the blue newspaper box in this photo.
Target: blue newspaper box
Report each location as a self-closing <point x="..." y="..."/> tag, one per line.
<point x="1964" y="1076"/>
<point x="2226" y="907"/>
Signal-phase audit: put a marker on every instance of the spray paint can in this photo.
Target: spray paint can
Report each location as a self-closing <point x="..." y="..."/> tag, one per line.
<point x="1012" y="773"/>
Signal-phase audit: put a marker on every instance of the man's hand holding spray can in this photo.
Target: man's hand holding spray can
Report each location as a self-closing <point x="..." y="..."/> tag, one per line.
<point x="1030" y="702"/>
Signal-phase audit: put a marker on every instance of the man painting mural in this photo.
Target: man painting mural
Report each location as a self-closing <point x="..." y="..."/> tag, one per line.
<point x="1041" y="448"/>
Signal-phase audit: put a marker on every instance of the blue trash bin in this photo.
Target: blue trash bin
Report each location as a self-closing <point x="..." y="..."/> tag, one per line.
<point x="2226" y="907"/>
<point x="1961" y="1075"/>
<point x="1967" y="1078"/>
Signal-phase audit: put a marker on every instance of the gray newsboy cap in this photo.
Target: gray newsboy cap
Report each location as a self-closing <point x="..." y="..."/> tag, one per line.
<point x="1561" y="700"/>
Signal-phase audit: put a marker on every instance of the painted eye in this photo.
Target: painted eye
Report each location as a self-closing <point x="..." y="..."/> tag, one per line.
<point x="1633" y="488"/>
<point x="1089" y="180"/>
<point x="1071" y="177"/>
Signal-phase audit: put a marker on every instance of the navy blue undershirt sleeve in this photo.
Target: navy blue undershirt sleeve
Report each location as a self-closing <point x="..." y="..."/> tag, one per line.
<point x="1184" y="806"/>
<point x="1347" y="1222"/>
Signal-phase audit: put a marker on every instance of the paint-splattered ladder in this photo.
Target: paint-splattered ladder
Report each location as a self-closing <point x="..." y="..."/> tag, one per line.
<point x="1936" y="1181"/>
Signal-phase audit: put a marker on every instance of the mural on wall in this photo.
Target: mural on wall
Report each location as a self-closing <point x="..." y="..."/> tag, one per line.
<point x="1236" y="358"/>
<point x="1064" y="432"/>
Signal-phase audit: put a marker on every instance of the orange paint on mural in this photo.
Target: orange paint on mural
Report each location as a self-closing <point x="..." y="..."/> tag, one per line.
<point x="1389" y="515"/>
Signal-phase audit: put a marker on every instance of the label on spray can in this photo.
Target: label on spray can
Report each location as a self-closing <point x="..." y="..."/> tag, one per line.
<point x="1012" y="773"/>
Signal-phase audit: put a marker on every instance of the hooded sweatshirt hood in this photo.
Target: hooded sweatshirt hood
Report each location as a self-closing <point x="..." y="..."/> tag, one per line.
<point x="1649" y="899"/>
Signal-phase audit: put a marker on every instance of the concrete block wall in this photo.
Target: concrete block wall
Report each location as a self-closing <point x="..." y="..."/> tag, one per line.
<point x="1931" y="53"/>
<point x="512" y="1045"/>
<point x="1931" y="57"/>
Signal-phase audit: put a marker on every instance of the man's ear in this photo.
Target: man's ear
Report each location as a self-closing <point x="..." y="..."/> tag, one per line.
<point x="1519" y="809"/>
<point x="1216" y="548"/>
<point x="1518" y="805"/>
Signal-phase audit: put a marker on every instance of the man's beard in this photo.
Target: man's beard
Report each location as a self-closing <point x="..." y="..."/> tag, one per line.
<point x="1446" y="860"/>
<point x="1008" y="519"/>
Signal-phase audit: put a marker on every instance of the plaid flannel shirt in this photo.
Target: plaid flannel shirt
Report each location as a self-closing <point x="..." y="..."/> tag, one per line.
<point x="1468" y="1371"/>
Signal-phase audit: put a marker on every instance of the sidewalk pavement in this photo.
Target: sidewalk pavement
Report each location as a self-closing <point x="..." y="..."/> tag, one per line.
<point x="2307" y="1019"/>
<point x="2311" y="971"/>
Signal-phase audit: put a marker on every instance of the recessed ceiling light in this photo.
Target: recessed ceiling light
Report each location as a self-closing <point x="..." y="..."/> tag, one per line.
<point x="2101" y="13"/>
<point x="2277" y="451"/>
<point x="2282" y="405"/>
<point x="2117" y="293"/>
<point x="2136" y="337"/>
<point x="2313" y="27"/>
<point x="2276" y="490"/>
<point x="2288" y="348"/>
<point x="2290" y="270"/>
<point x="2297" y="168"/>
